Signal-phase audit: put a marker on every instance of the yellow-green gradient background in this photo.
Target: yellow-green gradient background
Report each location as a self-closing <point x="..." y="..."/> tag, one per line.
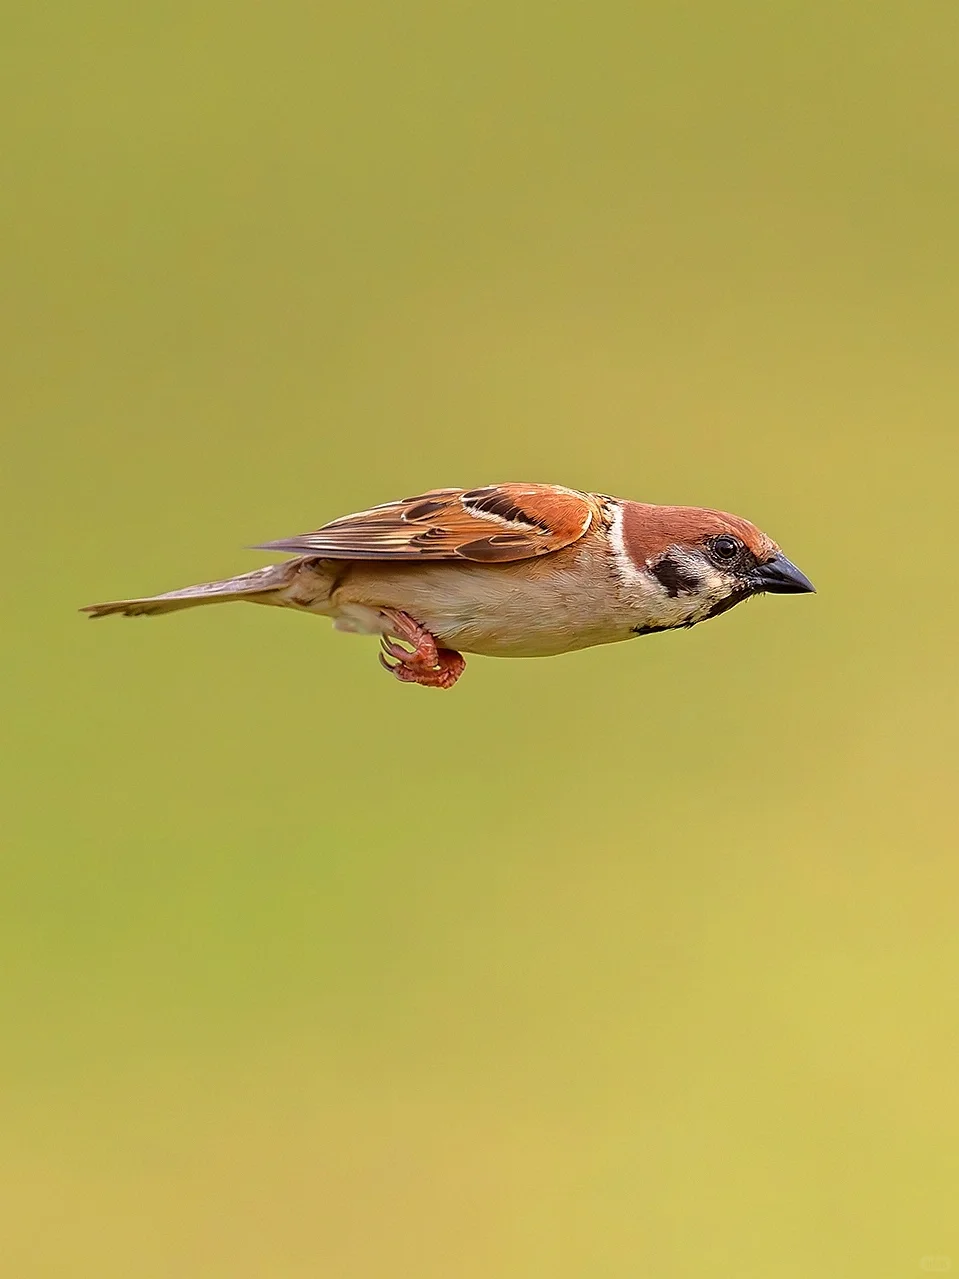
<point x="638" y="962"/>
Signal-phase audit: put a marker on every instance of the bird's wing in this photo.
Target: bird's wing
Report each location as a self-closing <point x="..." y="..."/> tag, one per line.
<point x="491" y="525"/>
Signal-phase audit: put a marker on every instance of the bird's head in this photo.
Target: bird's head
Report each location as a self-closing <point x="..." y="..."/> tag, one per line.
<point x="693" y="564"/>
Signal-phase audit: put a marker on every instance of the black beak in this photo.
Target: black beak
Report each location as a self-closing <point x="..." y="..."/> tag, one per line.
<point x="779" y="576"/>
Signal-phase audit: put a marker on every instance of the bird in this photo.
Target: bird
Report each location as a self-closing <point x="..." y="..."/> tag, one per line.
<point x="506" y="570"/>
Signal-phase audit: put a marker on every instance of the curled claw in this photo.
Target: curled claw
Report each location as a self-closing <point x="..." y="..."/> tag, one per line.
<point x="406" y="656"/>
<point x="424" y="662"/>
<point x="405" y="674"/>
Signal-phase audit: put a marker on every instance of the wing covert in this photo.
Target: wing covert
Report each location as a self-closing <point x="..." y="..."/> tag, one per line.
<point x="495" y="524"/>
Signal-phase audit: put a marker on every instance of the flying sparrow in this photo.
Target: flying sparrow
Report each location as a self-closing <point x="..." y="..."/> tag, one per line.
<point x="511" y="570"/>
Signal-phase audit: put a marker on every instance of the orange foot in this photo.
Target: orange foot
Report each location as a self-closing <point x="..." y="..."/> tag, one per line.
<point x="427" y="664"/>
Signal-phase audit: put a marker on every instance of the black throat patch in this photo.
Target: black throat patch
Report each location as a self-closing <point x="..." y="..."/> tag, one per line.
<point x="732" y="599"/>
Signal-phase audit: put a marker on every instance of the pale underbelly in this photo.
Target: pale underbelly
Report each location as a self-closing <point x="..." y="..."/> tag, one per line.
<point x="485" y="612"/>
<point x="510" y="637"/>
<point x="529" y="641"/>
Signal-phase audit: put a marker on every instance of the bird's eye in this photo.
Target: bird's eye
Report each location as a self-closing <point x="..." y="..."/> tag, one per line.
<point x="725" y="548"/>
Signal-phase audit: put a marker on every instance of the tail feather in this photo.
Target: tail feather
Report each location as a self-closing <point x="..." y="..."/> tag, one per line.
<point x="262" y="581"/>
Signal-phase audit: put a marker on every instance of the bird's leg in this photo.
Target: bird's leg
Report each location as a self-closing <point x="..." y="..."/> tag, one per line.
<point x="426" y="664"/>
<point x="405" y="628"/>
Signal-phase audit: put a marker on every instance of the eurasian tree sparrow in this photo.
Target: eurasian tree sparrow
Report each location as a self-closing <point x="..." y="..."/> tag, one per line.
<point x="511" y="570"/>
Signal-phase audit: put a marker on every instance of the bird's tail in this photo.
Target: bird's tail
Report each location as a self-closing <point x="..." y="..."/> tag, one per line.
<point x="248" y="586"/>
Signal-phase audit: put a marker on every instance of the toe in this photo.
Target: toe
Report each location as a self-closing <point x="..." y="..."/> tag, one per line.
<point x="396" y="650"/>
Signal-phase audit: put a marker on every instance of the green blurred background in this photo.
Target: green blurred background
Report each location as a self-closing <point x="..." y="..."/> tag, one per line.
<point x="637" y="962"/>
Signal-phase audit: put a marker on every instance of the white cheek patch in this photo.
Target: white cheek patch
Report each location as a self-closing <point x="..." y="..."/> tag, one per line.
<point x="712" y="584"/>
<point x="704" y="578"/>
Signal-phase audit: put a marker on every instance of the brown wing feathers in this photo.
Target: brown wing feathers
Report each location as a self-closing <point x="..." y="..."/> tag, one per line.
<point x="500" y="523"/>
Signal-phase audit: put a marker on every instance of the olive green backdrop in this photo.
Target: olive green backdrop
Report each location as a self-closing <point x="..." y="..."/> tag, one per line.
<point x="638" y="962"/>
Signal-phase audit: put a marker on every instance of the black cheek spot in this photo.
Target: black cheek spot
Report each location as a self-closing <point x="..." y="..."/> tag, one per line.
<point x="673" y="578"/>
